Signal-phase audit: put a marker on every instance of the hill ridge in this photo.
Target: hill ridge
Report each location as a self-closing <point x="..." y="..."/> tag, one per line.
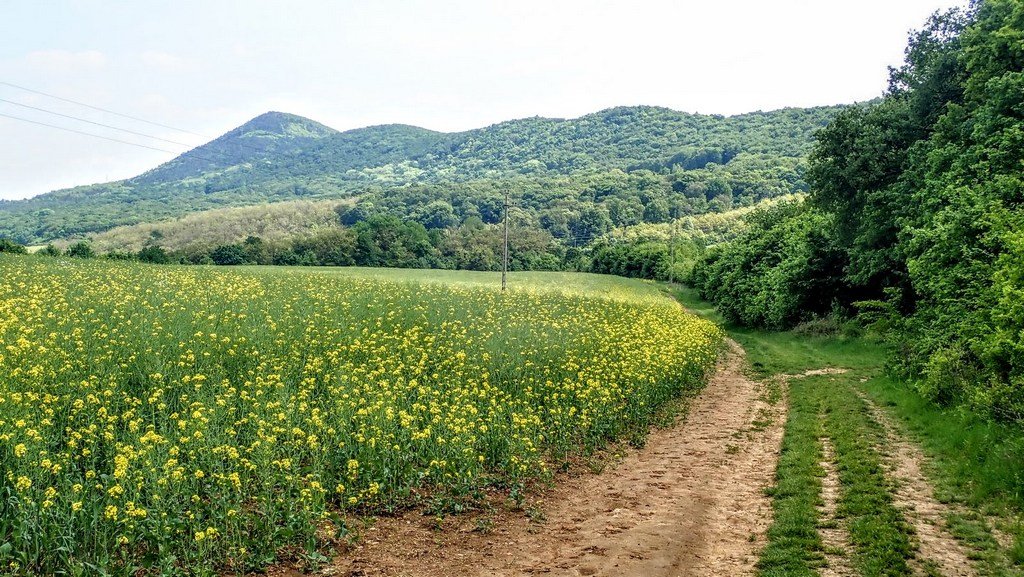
<point x="282" y="156"/>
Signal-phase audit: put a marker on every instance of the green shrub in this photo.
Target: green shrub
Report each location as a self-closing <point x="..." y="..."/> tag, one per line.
<point x="11" y="247"/>
<point x="81" y="249"/>
<point x="784" y="270"/>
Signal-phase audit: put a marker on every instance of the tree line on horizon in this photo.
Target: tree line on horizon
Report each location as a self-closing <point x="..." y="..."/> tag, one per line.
<point x="387" y="241"/>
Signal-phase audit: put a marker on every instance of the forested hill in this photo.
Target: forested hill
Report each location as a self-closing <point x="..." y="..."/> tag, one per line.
<point x="279" y="156"/>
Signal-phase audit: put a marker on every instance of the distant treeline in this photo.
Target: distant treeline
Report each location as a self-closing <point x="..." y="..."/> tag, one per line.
<point x="331" y="234"/>
<point x="387" y="241"/>
<point x="576" y="210"/>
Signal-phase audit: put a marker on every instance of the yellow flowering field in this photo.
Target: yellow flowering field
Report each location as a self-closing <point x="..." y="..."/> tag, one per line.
<point x="194" y="420"/>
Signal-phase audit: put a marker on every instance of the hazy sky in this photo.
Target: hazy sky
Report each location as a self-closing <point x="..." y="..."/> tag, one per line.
<point x="209" y="65"/>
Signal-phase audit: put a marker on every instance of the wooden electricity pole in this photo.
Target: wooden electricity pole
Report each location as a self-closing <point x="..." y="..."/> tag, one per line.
<point x="504" y="257"/>
<point x="672" y="251"/>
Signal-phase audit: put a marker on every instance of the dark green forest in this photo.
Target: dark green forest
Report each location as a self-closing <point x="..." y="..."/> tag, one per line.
<point x="575" y="179"/>
<point x="915" y="219"/>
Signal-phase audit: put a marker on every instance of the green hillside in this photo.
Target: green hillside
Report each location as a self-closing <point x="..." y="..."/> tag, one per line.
<point x="637" y="156"/>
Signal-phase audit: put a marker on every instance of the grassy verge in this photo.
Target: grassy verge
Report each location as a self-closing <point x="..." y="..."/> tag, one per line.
<point x="787" y="353"/>
<point x="880" y="537"/>
<point x="975" y="463"/>
<point x="794" y="546"/>
<point x="878" y="532"/>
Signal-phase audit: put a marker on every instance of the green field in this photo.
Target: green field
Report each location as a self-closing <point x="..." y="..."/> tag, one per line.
<point x="197" y="419"/>
<point x="592" y="285"/>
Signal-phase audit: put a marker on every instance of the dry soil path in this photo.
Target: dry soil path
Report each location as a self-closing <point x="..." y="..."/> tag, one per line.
<point x="691" y="502"/>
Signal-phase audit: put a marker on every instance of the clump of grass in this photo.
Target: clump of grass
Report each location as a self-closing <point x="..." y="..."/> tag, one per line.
<point x="974" y="530"/>
<point x="1016" y="552"/>
<point x="829" y="326"/>
<point x="794" y="546"/>
<point x="878" y="531"/>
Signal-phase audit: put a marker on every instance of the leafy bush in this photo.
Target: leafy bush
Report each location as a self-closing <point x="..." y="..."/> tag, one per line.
<point x="9" y="246"/>
<point x="229" y="254"/>
<point x="785" y="269"/>
<point x="153" y="254"/>
<point x="81" y="249"/>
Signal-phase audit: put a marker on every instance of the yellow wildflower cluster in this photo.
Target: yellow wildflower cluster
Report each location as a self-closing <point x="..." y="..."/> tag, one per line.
<point x="216" y="416"/>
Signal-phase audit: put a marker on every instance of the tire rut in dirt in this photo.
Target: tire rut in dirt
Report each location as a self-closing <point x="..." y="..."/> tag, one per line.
<point x="691" y="502"/>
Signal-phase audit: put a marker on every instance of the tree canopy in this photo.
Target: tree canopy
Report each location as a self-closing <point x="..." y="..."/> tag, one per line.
<point x="921" y="203"/>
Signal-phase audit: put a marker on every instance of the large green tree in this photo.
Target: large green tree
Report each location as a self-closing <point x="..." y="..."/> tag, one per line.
<point x="924" y="196"/>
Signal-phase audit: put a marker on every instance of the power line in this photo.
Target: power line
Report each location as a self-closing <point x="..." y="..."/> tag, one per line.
<point x="87" y="133"/>
<point x="96" y="123"/>
<point x="135" y="118"/>
<point x="504" y="259"/>
<point x="128" y="116"/>
<point x="99" y="136"/>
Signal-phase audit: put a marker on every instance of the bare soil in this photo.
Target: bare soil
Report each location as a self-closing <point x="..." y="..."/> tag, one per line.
<point x="691" y="502"/>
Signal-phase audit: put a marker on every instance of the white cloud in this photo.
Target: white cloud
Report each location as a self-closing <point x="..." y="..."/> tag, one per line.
<point x="244" y="50"/>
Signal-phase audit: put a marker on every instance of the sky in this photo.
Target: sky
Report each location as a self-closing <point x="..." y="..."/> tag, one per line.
<point x="204" y="67"/>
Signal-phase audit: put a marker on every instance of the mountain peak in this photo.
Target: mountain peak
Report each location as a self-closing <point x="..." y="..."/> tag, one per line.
<point x="271" y="135"/>
<point x="275" y="123"/>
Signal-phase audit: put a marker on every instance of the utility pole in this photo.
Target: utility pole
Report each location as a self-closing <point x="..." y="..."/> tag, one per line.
<point x="672" y="251"/>
<point x="504" y="258"/>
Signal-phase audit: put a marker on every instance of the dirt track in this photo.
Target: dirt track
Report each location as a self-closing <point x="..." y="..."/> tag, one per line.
<point x="691" y="502"/>
<point x="914" y="495"/>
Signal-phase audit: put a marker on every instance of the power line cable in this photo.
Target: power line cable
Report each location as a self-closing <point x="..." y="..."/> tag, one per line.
<point x="98" y="136"/>
<point x="135" y="118"/>
<point x="96" y="123"/>
<point x="108" y="111"/>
